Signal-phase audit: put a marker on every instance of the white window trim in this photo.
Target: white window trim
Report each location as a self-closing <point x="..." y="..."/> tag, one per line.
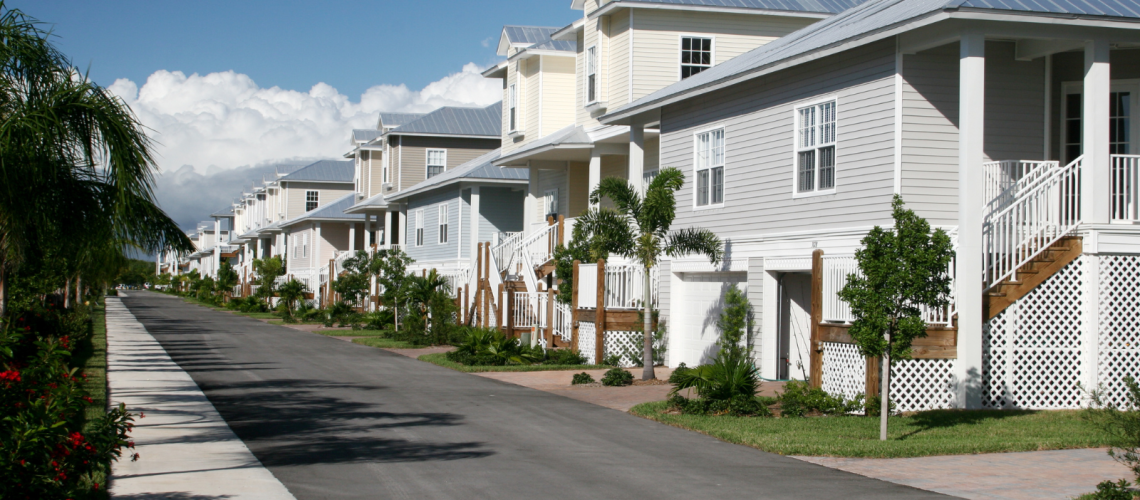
<point x="419" y="227"/>
<point x="697" y="134"/>
<point x="796" y="149"/>
<point x="427" y="157"/>
<point x="597" y="80"/>
<point x="442" y="225"/>
<point x="513" y="105"/>
<point x="712" y="55"/>
<point x="318" y="200"/>
<point x="553" y="200"/>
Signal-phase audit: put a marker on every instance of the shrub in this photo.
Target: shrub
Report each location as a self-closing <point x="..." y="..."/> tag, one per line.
<point x="617" y="377"/>
<point x="378" y="320"/>
<point x="799" y="399"/>
<point x="1120" y="422"/>
<point x="563" y="357"/>
<point x="738" y="405"/>
<point x="489" y="347"/>
<point x="679" y="373"/>
<point x="731" y="374"/>
<point x="612" y="360"/>
<point x="873" y="407"/>
<point x="1108" y="490"/>
<point x="582" y="378"/>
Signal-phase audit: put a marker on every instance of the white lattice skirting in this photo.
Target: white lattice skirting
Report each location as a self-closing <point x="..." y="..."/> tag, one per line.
<point x="916" y="384"/>
<point x="628" y="345"/>
<point x="1119" y="332"/>
<point x="586" y="338"/>
<point x="1032" y="352"/>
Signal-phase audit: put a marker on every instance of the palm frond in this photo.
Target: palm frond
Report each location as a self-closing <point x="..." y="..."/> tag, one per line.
<point x="618" y="190"/>
<point x="660" y="205"/>
<point x="692" y="240"/>
<point x="606" y="231"/>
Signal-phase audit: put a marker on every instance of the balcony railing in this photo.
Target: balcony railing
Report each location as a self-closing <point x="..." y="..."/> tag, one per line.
<point x="625" y="286"/>
<point x="1125" y="198"/>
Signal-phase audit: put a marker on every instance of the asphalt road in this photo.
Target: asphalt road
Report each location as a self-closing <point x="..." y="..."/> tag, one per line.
<point x="331" y="420"/>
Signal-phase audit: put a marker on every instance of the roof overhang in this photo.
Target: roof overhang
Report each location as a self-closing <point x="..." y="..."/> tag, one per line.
<point x="553" y="152"/>
<point x="458" y="180"/>
<point x="456" y="136"/>
<point x="569" y="33"/>
<point x="609" y="9"/>
<point x="529" y="53"/>
<point x="315" y="181"/>
<point x="496" y="71"/>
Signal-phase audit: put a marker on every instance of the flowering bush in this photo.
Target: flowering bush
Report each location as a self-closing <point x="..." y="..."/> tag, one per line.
<point x="47" y="448"/>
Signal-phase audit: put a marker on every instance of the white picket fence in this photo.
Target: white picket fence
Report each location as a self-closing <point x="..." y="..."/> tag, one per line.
<point x="532" y="310"/>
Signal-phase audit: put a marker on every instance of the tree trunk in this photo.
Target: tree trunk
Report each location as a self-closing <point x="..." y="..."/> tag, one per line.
<point x="79" y="289"/>
<point x="884" y="392"/>
<point x="647" y="321"/>
<point x="3" y="293"/>
<point x="67" y="293"/>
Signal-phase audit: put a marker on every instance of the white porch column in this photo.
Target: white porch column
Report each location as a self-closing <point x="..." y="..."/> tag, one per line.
<point x="595" y="172"/>
<point x="388" y="226"/>
<point x="529" y="211"/>
<point x="403" y="223"/>
<point x="352" y="237"/>
<point x="636" y="156"/>
<point x="316" y="257"/>
<point x="217" y="246"/>
<point x="367" y="230"/>
<point x="971" y="140"/>
<point x="1096" y="175"/>
<point x="256" y="249"/>
<point x="474" y="223"/>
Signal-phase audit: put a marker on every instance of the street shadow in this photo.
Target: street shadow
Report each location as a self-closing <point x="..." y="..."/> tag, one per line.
<point x="177" y="495"/>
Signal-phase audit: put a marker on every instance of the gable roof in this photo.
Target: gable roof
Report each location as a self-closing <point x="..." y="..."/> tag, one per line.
<point x="857" y="25"/>
<point x="570" y="136"/>
<point x="392" y="120"/>
<point x="324" y="171"/>
<point x="365" y="135"/>
<point x="454" y="120"/>
<point x="527" y="34"/>
<point x="815" y="6"/>
<point x="331" y="211"/>
<point x="481" y="168"/>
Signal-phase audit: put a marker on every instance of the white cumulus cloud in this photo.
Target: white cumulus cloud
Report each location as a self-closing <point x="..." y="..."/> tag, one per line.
<point x="221" y="121"/>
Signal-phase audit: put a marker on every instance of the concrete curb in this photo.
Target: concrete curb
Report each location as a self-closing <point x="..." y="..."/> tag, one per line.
<point x="186" y="449"/>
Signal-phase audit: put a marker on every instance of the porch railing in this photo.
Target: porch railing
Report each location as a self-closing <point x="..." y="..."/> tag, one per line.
<point x="836" y="269"/>
<point x="505" y="252"/>
<point x="625" y="286"/>
<point x="1125" y="197"/>
<point x="1007" y="178"/>
<point x="531" y="310"/>
<point x="1044" y="210"/>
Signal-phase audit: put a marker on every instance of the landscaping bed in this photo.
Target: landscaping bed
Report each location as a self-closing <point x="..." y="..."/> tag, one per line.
<point x="90" y="357"/>
<point x="938" y="432"/>
<point x="441" y="360"/>
<point x="380" y="342"/>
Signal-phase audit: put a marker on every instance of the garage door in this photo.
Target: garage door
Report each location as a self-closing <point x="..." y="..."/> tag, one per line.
<point x="696" y="306"/>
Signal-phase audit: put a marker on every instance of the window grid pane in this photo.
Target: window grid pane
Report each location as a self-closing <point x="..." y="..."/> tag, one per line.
<point x="827" y="167"/>
<point x="807" y="170"/>
<point x="815" y="156"/>
<point x="703" y="187"/>
<point x="718" y="185"/>
<point x="696" y="55"/>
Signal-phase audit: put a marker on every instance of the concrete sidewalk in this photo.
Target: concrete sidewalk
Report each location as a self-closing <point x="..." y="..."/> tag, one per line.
<point x="186" y="449"/>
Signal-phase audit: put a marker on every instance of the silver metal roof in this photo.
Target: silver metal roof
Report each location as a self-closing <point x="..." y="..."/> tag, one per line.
<point x="817" y="6"/>
<point x="568" y="136"/>
<point x="870" y="17"/>
<point x="397" y="119"/>
<point x="334" y="210"/>
<point x="365" y="135"/>
<point x="325" y="171"/>
<point x="528" y="34"/>
<point x="557" y="45"/>
<point x="452" y="120"/>
<point x="481" y="168"/>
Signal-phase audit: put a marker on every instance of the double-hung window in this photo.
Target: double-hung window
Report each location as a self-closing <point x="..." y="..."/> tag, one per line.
<point x="815" y="147"/>
<point x="443" y="223"/>
<point x="312" y="199"/>
<point x="305" y="245"/>
<point x="710" y="167"/>
<point x="419" y="228"/>
<point x="513" y="100"/>
<point x="696" y="55"/>
<point x="592" y="74"/>
<point x="436" y="162"/>
<point x="549" y="203"/>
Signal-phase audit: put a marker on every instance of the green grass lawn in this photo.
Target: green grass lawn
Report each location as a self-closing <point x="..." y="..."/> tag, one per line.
<point x="941" y="432"/>
<point x="383" y="343"/>
<point x="441" y="360"/>
<point x="352" y="333"/>
<point x="90" y="356"/>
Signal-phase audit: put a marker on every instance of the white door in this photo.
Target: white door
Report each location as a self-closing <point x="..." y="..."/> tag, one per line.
<point x="697" y="302"/>
<point x="794" y="323"/>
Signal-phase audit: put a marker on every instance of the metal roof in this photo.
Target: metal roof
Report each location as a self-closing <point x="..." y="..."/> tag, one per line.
<point x="334" y="210"/>
<point x="858" y="22"/>
<point x="397" y="119"/>
<point x="365" y="135"/>
<point x="528" y="34"/>
<point x="374" y="202"/>
<point x="481" y="168"/>
<point x="818" y="6"/>
<point x="452" y="120"/>
<point x="324" y="171"/>
<point x="557" y="45"/>
<point x="568" y="136"/>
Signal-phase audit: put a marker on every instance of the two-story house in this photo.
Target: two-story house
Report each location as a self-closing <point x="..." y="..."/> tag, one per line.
<point x="1006" y="124"/>
<point x="315" y="227"/>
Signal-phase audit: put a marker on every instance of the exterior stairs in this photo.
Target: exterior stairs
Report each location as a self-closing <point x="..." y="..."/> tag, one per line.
<point x="1045" y="264"/>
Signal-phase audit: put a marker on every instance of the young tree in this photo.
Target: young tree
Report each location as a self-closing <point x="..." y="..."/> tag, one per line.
<point x="227" y="279"/>
<point x="735" y="322"/>
<point x="353" y="284"/>
<point x="267" y="271"/>
<point x="290" y="292"/>
<point x="638" y="228"/>
<point x="391" y="270"/>
<point x="902" y="269"/>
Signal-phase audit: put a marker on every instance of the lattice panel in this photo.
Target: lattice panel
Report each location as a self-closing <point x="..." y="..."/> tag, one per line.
<point x="1033" y="352"/>
<point x="922" y="384"/>
<point x="1119" y="331"/>
<point x="844" y="369"/>
<point x="628" y="345"/>
<point x="586" y="338"/>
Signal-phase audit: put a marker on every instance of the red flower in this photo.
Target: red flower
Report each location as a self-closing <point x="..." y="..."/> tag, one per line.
<point x="96" y="486"/>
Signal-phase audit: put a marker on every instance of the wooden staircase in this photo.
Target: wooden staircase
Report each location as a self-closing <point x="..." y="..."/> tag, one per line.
<point x="1045" y="264"/>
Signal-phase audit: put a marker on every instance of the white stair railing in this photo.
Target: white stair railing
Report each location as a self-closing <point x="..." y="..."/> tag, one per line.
<point x="1044" y="212"/>
<point x="1125" y="198"/>
<point x="504" y="253"/>
<point x="1006" y="178"/>
<point x="540" y="245"/>
<point x="530" y="310"/>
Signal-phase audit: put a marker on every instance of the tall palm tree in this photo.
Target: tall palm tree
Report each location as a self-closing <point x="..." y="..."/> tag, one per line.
<point x="638" y="228"/>
<point x="76" y="167"/>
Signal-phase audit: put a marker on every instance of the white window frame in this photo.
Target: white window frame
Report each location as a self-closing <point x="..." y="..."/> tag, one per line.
<point x="305" y="245"/>
<point x="592" y="65"/>
<point x="441" y="239"/>
<point x="428" y="164"/>
<point x="419" y="227"/>
<point x="549" y="203"/>
<point x="316" y="199"/>
<point x="680" y="51"/>
<point x="512" y="105"/>
<point x="816" y="145"/>
<point x="698" y="168"/>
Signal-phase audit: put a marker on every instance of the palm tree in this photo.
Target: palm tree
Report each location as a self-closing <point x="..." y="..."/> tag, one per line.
<point x="638" y="228"/>
<point x="76" y="168"/>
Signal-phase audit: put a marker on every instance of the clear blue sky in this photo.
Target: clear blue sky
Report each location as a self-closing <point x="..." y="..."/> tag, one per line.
<point x="349" y="44"/>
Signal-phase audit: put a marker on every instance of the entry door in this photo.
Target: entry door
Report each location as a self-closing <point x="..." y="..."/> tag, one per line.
<point x="1123" y="137"/>
<point x="793" y="345"/>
